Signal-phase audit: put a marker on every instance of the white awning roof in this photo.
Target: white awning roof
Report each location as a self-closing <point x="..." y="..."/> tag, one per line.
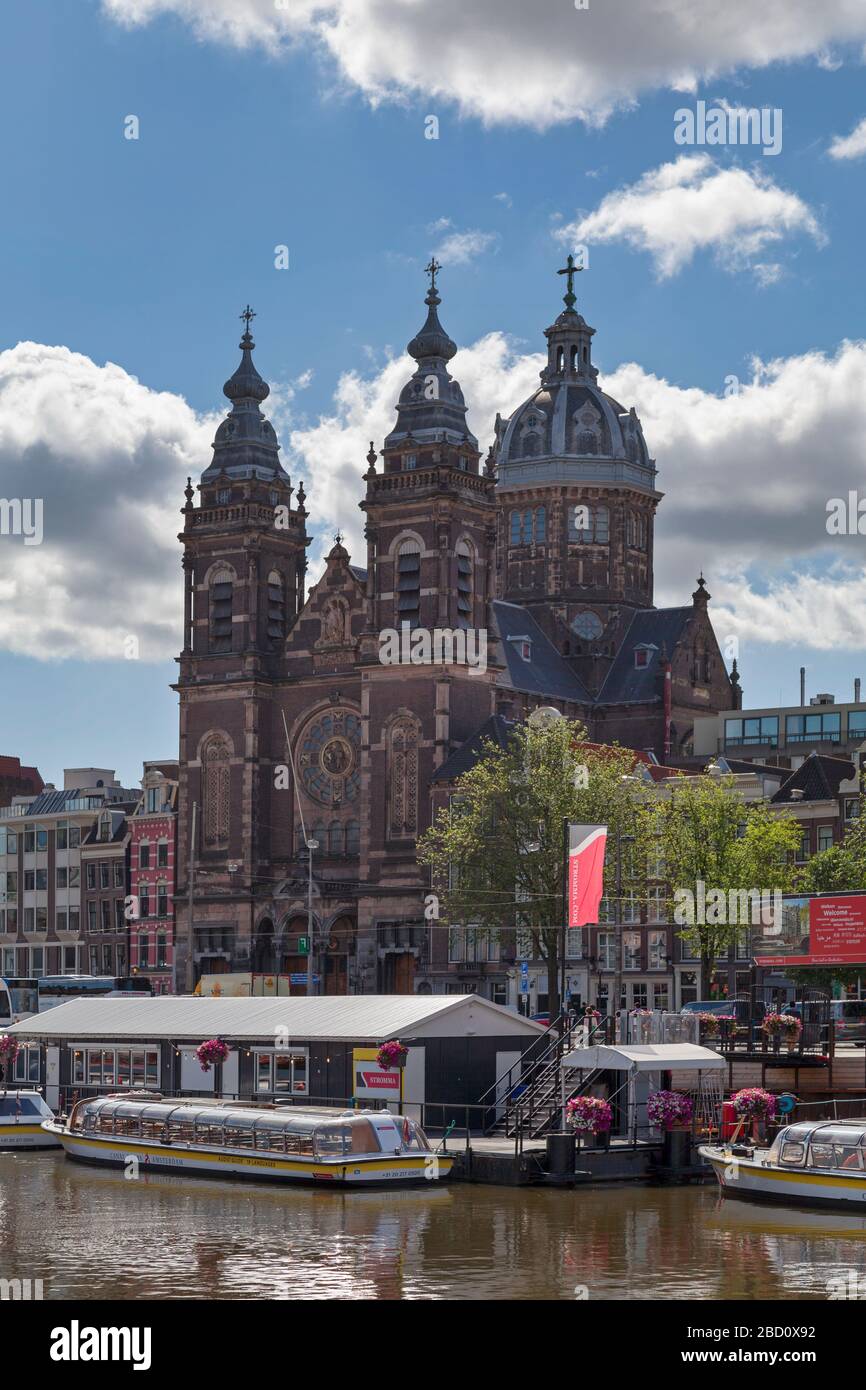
<point x="356" y="1018"/>
<point x="646" y="1057"/>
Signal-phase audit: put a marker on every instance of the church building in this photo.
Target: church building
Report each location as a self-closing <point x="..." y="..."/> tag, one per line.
<point x="330" y="712"/>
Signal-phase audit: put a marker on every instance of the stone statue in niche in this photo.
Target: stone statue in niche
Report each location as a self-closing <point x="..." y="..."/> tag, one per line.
<point x="333" y="622"/>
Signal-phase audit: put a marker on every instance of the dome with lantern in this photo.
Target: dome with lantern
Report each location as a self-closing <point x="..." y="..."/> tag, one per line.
<point x="569" y="430"/>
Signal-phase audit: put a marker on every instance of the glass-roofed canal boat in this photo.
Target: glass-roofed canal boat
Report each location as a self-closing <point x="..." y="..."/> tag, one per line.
<point x="236" y="1140"/>
<point x="22" y="1114"/>
<point x="814" y="1163"/>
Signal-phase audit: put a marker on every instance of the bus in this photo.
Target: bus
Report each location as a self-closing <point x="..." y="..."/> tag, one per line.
<point x="20" y="998"/>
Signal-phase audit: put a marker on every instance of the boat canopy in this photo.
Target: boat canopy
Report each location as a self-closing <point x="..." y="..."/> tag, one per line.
<point x="850" y="1132"/>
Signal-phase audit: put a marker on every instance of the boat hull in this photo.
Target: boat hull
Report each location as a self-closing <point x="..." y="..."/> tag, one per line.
<point x="750" y="1179"/>
<point x="385" y="1169"/>
<point x="25" y="1136"/>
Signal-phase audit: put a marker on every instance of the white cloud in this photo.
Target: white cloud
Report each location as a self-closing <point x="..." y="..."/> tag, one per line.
<point x="504" y="198"/>
<point x="459" y="248"/>
<point x="506" y="61"/>
<point x="693" y="205"/>
<point x="744" y="498"/>
<point x="850" y="146"/>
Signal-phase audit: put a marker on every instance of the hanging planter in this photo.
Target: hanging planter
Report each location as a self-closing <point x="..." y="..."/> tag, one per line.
<point x="392" y="1054"/>
<point x="9" y="1049"/>
<point x="589" y="1115"/>
<point x="211" y="1053"/>
<point x="669" y="1110"/>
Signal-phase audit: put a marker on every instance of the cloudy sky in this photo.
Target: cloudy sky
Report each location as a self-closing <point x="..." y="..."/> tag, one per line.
<point x="725" y="284"/>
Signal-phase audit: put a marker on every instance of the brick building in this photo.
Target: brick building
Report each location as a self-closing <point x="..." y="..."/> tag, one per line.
<point x="153" y="854"/>
<point x="544" y="553"/>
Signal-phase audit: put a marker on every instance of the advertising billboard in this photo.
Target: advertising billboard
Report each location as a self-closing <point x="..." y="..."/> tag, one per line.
<point x="815" y="931"/>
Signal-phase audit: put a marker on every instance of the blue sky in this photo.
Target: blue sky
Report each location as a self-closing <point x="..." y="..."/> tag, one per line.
<point x="142" y="253"/>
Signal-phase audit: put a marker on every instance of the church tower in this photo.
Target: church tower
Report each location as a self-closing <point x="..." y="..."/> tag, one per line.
<point x="429" y="510"/>
<point x="576" y="501"/>
<point x="244" y="562"/>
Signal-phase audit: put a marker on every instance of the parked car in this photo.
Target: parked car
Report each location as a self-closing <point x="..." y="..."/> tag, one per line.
<point x="709" y="1006"/>
<point x="849" y="1016"/>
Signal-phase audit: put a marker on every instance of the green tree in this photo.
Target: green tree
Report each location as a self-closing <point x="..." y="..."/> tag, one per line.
<point x="710" y="835"/>
<point x="496" y="856"/>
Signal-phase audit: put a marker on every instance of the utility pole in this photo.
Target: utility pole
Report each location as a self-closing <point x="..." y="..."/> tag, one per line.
<point x="190" y="932"/>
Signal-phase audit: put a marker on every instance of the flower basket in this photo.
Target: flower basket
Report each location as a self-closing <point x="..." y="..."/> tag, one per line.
<point x="392" y="1054"/>
<point x="588" y="1115"/>
<point x="754" y="1103"/>
<point x="9" y="1049"/>
<point x="212" y="1052"/>
<point x="669" y="1110"/>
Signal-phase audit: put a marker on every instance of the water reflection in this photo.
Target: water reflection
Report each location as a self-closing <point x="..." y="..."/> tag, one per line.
<point x="93" y="1234"/>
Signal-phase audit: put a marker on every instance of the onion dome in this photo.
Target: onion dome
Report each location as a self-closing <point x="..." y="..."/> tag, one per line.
<point x="431" y="405"/>
<point x="245" y="444"/>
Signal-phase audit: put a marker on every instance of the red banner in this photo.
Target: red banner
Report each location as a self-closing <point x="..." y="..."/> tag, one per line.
<point x="586" y="846"/>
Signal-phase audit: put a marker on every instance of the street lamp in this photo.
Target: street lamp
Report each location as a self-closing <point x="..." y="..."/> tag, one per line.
<point x="311" y="845"/>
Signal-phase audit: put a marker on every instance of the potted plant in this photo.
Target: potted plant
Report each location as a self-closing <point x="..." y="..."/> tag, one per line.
<point x="792" y="1027"/>
<point x="755" y="1104"/>
<point x="392" y="1054"/>
<point x="211" y="1052"/>
<point x="772" y="1025"/>
<point x="590" y="1116"/>
<point x="669" y="1110"/>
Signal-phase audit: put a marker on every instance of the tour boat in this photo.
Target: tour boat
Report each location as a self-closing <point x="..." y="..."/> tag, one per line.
<point x="21" y="1118"/>
<point x="816" y="1162"/>
<point x="236" y="1140"/>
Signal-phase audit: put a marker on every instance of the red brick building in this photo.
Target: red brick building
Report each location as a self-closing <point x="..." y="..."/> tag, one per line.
<point x="543" y="557"/>
<point x="153" y="858"/>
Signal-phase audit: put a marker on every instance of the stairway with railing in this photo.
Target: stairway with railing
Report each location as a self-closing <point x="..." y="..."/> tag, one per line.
<point x="526" y="1101"/>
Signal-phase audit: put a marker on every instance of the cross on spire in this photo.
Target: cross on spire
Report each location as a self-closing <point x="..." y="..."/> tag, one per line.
<point x="432" y="270"/>
<point x="248" y="315"/>
<point x="570" y="269"/>
<point x="338" y="537"/>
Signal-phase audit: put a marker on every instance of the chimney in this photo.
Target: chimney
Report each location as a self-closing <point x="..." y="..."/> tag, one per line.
<point x="802" y="685"/>
<point x="857" y="691"/>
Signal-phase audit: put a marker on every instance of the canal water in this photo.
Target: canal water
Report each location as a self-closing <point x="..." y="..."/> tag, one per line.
<point x="92" y="1234"/>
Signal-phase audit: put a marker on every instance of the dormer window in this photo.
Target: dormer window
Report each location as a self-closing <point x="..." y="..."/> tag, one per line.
<point x="273" y="497"/>
<point x="523" y="647"/>
<point x="410" y="460"/>
<point x="224" y="496"/>
<point x="643" y="654"/>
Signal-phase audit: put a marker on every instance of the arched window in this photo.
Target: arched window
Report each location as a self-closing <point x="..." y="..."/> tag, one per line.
<point x="220" y="611"/>
<point x="515" y="528"/>
<point x="465" y="584"/>
<point x="540" y="524"/>
<point x="216" y="783"/>
<point x="560" y="359"/>
<point x="353" y="837"/>
<point x="531" y="444"/>
<point x="335" y="838"/>
<point x="276" y="624"/>
<point x="409" y="582"/>
<point x="403" y="778"/>
<point x="574" y="357"/>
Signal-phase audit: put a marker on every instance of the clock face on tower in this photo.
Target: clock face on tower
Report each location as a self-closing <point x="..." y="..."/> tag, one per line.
<point x="587" y="625"/>
<point x="328" y="762"/>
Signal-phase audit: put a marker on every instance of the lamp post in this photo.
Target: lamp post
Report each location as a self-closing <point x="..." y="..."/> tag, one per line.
<point x="311" y="965"/>
<point x="617" y="978"/>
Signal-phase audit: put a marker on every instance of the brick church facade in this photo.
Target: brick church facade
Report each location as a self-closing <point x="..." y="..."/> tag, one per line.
<point x="292" y="724"/>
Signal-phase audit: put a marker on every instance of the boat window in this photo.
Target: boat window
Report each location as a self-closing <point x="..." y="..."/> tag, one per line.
<point x="821" y="1156"/>
<point x="239" y="1136"/>
<point x="363" y="1139"/>
<point x="329" y="1140"/>
<point x="793" y="1153"/>
<point x="848" y="1156"/>
<point x="22" y="1105"/>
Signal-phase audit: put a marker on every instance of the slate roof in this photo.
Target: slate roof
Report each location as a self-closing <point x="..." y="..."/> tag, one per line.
<point x="818" y="777"/>
<point x="759" y="769"/>
<point x="651" y="627"/>
<point x="546" y="672"/>
<point x="360" y="575"/>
